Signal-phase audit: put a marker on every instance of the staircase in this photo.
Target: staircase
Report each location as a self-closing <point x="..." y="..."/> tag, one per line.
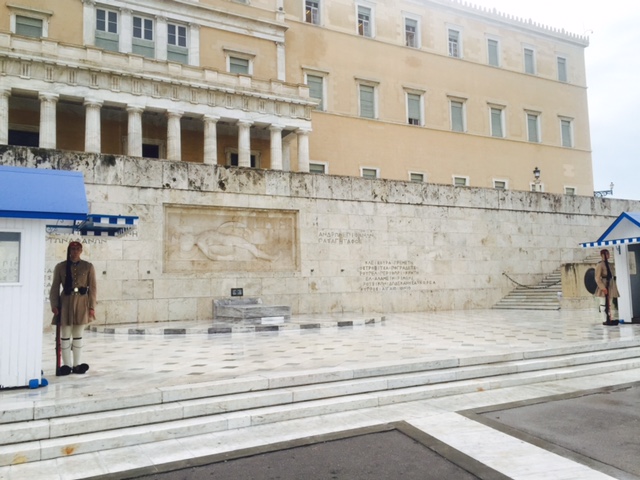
<point x="48" y="430"/>
<point x="543" y="296"/>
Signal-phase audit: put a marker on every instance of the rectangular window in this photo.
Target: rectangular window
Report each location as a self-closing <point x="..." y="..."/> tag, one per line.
<point x="9" y="257"/>
<point x="411" y="32"/>
<point x="312" y="11"/>
<point x="316" y="89"/>
<point x="143" y="37"/>
<point x="457" y="116"/>
<point x="562" y="69"/>
<point x="500" y="184"/>
<point x="29" y="27"/>
<point x="460" y="181"/>
<point x="369" y="172"/>
<point x="529" y="61"/>
<point x="454" y="43"/>
<point x="318" y="168"/>
<point x="364" y="21"/>
<point x="567" y="134"/>
<point x="107" y="29"/>
<point x="569" y="190"/>
<point x="239" y="65"/>
<point x="367" y="101"/>
<point x="177" y="50"/>
<point x="492" y="53"/>
<point x="414" y="114"/>
<point x="497" y="129"/>
<point x="533" y="127"/>
<point x="416" y="177"/>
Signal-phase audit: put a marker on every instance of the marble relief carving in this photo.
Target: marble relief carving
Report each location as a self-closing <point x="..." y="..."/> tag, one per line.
<point x="217" y="239"/>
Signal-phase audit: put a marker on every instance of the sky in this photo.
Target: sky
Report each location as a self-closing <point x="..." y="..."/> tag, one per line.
<point x="613" y="79"/>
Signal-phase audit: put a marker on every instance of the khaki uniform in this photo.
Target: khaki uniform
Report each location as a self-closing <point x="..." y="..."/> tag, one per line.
<point x="601" y="281"/>
<point x="75" y="307"/>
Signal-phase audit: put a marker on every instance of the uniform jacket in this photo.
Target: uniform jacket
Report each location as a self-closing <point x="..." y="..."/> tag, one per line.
<point x="75" y="308"/>
<point x="601" y="280"/>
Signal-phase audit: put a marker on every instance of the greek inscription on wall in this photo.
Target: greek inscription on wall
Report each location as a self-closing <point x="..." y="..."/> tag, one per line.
<point x="391" y="275"/>
<point x="345" y="237"/>
<point x="218" y="239"/>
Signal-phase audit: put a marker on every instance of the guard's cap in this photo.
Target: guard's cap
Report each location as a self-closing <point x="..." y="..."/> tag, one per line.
<point x="75" y="245"/>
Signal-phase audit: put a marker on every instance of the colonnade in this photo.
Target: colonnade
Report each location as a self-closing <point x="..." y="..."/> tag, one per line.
<point x="48" y="133"/>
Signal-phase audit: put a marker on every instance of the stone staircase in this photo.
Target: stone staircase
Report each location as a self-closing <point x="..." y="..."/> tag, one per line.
<point x="543" y="296"/>
<point x="49" y="430"/>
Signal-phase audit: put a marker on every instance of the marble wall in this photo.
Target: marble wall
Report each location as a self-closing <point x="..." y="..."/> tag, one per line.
<point x="317" y="243"/>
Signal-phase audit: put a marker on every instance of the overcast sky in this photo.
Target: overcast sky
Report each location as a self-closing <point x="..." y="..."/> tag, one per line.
<point x="613" y="79"/>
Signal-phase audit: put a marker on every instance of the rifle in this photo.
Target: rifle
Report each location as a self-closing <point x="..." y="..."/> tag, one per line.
<point x="57" y="320"/>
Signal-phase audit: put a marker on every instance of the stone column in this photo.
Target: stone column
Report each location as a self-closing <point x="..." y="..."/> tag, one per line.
<point x="162" y="38"/>
<point x="174" y="146"/>
<point x="281" y="61"/>
<point x="134" y="135"/>
<point x="5" y="93"/>
<point x="92" y="127"/>
<point x="303" y="149"/>
<point x="126" y="31"/>
<point x="210" y="139"/>
<point x="286" y="153"/>
<point x="48" y="102"/>
<point x="276" y="147"/>
<point x="89" y="22"/>
<point x="244" y="143"/>
<point x="194" y="44"/>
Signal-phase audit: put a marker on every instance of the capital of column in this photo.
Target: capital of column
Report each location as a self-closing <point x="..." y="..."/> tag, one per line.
<point x="276" y="128"/>
<point x="90" y="2"/>
<point x="175" y="113"/>
<point x="91" y="102"/>
<point x="303" y="131"/>
<point x="5" y="92"/>
<point x="135" y="109"/>
<point x="210" y="118"/>
<point x="49" y="97"/>
<point x="245" y="123"/>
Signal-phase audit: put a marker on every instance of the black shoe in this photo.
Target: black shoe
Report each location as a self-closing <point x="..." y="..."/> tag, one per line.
<point x="80" y="369"/>
<point x="610" y="323"/>
<point x="64" y="370"/>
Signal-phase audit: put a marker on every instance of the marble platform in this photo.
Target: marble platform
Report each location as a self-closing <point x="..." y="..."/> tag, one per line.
<point x="249" y="311"/>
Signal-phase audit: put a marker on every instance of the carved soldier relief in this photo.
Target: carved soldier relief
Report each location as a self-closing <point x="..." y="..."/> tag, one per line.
<point x="214" y="239"/>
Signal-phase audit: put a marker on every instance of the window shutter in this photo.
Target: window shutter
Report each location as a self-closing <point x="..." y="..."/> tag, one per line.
<point x="367" y="101"/>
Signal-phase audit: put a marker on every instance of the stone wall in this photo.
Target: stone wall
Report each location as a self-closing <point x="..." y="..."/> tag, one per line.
<point x="317" y="243"/>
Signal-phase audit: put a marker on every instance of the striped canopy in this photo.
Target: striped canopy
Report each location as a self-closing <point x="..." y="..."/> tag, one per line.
<point x="624" y="230"/>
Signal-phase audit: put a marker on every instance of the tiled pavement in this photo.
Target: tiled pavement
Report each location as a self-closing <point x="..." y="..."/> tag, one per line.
<point x="122" y="363"/>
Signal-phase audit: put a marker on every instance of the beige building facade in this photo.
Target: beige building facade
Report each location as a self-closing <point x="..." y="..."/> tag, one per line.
<point x="432" y="91"/>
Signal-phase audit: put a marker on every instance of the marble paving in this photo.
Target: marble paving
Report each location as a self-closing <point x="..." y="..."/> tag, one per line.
<point x="134" y="362"/>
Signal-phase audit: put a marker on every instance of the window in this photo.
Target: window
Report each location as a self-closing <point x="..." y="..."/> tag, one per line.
<point x="500" y="184"/>
<point x="460" y="181"/>
<point x="232" y="158"/>
<point x="529" y="61"/>
<point x="367" y="101"/>
<point x="562" y="69"/>
<point x="411" y="38"/>
<point x="107" y="29"/>
<point x="569" y="190"/>
<point x="454" y="43"/>
<point x="369" y="172"/>
<point x="316" y="89"/>
<point x="177" y="43"/>
<point x="497" y="122"/>
<point x="9" y="257"/>
<point x="24" y="137"/>
<point x="318" y="168"/>
<point x="365" y="26"/>
<point x="416" y="177"/>
<point x="312" y="11"/>
<point x="493" y="56"/>
<point x="566" y="128"/>
<point x="457" y="116"/>
<point x="533" y="127"/>
<point x="414" y="109"/>
<point x="239" y="65"/>
<point x="29" y="27"/>
<point x="143" y="43"/>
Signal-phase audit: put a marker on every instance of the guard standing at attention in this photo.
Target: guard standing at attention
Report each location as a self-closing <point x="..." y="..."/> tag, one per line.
<point x="74" y="305"/>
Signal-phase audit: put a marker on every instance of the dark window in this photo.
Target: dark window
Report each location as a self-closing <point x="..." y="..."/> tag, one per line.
<point x="24" y="139"/>
<point x="150" y="151"/>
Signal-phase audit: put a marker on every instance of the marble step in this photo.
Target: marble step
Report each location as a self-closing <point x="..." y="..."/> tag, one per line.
<point x="34" y="451"/>
<point x="72" y="434"/>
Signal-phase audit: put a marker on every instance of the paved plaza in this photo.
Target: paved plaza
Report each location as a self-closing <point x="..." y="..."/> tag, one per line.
<point x="136" y="359"/>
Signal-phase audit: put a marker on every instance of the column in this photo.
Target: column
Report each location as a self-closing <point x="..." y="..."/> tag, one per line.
<point x="134" y="135"/>
<point x="210" y="139"/>
<point x="92" y="127"/>
<point x="281" y="61"/>
<point x="162" y="38"/>
<point x="125" y="37"/>
<point x="276" y="147"/>
<point x="48" y="102"/>
<point x="5" y="93"/>
<point x="89" y="22"/>
<point x="174" y="146"/>
<point x="194" y="44"/>
<point x="244" y="143"/>
<point x="303" y="149"/>
<point x="286" y="153"/>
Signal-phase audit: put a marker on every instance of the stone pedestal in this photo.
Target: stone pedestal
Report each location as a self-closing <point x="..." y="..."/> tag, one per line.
<point x="250" y="311"/>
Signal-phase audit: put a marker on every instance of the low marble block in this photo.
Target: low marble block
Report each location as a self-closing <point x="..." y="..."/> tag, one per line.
<point x="249" y="310"/>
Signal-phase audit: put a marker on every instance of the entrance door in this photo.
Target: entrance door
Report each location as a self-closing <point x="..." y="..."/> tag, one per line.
<point x="634" y="279"/>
